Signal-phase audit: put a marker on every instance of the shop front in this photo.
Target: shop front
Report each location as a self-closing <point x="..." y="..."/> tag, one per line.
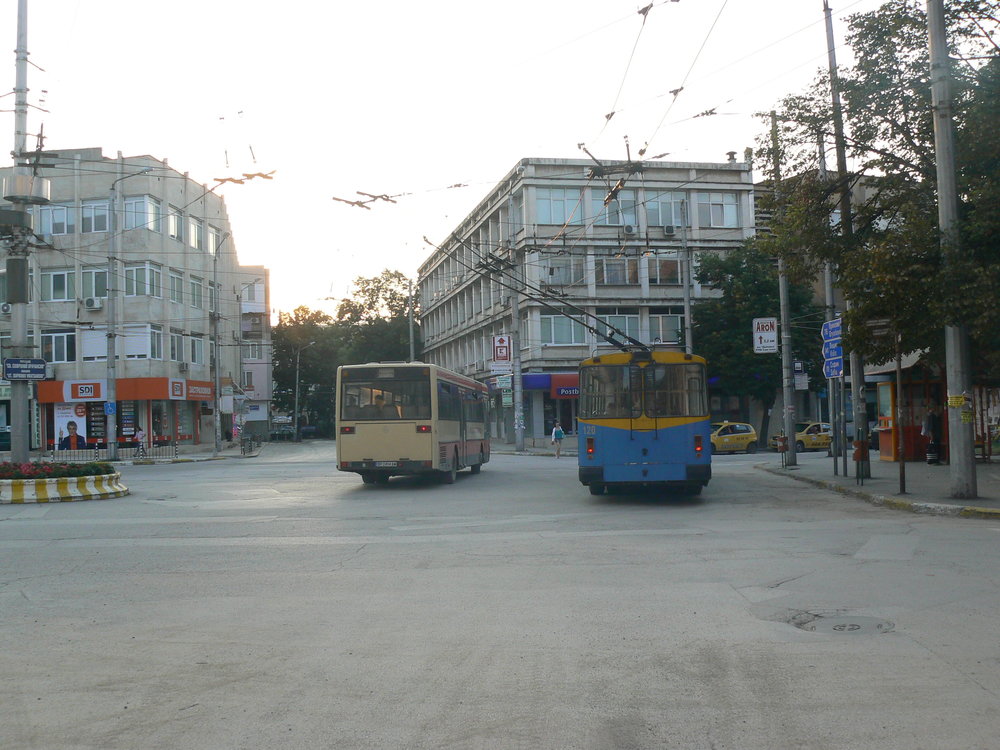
<point x="168" y="410"/>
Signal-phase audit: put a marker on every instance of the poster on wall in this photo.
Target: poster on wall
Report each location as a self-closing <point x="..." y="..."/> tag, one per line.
<point x="70" y="425"/>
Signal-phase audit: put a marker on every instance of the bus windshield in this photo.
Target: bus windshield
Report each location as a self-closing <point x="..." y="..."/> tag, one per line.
<point x="384" y="398"/>
<point x="631" y="391"/>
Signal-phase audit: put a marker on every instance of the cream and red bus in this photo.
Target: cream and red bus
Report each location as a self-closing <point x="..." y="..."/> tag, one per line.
<point x="398" y="418"/>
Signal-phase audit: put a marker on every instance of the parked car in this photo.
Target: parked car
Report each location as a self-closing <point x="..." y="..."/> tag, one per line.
<point x="729" y="437"/>
<point x="809" y="436"/>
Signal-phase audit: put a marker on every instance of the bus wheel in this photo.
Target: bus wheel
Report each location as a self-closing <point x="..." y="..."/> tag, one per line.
<point x="596" y="488"/>
<point x="476" y="468"/>
<point x="382" y="478"/>
<point x="367" y="477"/>
<point x="450" y="474"/>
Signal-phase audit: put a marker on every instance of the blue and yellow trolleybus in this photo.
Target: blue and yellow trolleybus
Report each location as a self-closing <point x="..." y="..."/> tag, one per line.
<point x="644" y="420"/>
<point x="400" y="418"/>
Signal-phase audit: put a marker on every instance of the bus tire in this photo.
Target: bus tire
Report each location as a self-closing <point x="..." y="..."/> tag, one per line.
<point x="476" y="468"/>
<point x="382" y="478"/>
<point x="596" y="488"/>
<point x="449" y="475"/>
<point x="367" y="477"/>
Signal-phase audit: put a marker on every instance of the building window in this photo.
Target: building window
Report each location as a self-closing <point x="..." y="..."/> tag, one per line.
<point x="718" y="210"/>
<point x="143" y="213"/>
<point x="215" y="238"/>
<point x="143" y="280"/>
<point x="625" y="319"/>
<point x="250" y="293"/>
<point x="213" y="297"/>
<point x="563" y="270"/>
<point x="558" y="329"/>
<point x="175" y="223"/>
<point x="176" y="345"/>
<point x="197" y="349"/>
<point x="95" y="282"/>
<point x="155" y="342"/>
<point x="176" y="286"/>
<point x="248" y="379"/>
<point x="3" y="287"/>
<point x="665" y="210"/>
<point x="196" y="292"/>
<point x="619" y="212"/>
<point x="609" y="271"/>
<point x="664" y="269"/>
<point x="253" y="351"/>
<point x="196" y="233"/>
<point x="558" y="205"/>
<point x="94" y="217"/>
<point x="59" y="345"/>
<point x="54" y="219"/>
<point x="58" y="286"/>
<point x="665" y="324"/>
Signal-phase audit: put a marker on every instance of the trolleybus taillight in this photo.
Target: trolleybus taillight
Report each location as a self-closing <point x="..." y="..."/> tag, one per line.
<point x="697" y="444"/>
<point x="423" y="428"/>
<point x="347" y="430"/>
<point x="590" y="446"/>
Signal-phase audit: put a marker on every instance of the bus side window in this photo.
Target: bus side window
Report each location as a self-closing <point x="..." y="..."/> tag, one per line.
<point x="351" y="412"/>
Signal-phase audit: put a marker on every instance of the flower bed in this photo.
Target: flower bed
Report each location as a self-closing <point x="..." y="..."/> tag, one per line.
<point x="58" y="482"/>
<point x="53" y="470"/>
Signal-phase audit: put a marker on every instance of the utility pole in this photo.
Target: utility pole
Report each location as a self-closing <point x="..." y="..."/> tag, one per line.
<point x="847" y="232"/>
<point x="787" y="378"/>
<point x="22" y="188"/>
<point x="686" y="273"/>
<point x="961" y="453"/>
<point x="515" y="346"/>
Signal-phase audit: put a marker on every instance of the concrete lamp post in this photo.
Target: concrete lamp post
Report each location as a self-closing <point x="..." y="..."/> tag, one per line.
<point x="298" y="352"/>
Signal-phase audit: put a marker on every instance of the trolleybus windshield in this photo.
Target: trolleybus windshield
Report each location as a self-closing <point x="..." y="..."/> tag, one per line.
<point x="656" y="390"/>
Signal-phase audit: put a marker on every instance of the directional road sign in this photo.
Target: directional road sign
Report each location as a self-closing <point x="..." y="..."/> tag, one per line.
<point x="832" y="349"/>
<point x="23" y="368"/>
<point x="765" y="335"/>
<point x="834" y="368"/>
<point x="832" y="329"/>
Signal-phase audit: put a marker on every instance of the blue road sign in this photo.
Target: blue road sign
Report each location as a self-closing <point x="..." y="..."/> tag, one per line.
<point x="834" y="368"/>
<point x="831" y="330"/>
<point x="23" y="368"/>
<point x="109" y="408"/>
<point x="832" y="349"/>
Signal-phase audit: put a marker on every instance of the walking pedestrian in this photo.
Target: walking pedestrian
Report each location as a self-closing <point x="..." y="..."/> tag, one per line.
<point x="557" y="437"/>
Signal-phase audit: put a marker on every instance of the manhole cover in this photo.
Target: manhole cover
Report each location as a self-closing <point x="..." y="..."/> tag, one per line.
<point x="849" y="624"/>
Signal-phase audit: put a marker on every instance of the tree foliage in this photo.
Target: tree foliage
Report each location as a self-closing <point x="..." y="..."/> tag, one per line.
<point x="891" y="265"/>
<point x="748" y="281"/>
<point x="372" y="325"/>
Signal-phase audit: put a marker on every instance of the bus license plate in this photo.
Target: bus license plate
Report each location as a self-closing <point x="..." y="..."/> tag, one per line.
<point x="385" y="464"/>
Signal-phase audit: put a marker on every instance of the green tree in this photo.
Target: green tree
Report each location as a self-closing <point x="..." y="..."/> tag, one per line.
<point x="748" y="281"/>
<point x="317" y="365"/>
<point x="374" y="322"/>
<point x="891" y="266"/>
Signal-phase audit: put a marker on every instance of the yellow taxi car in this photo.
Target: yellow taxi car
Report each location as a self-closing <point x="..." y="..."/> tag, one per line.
<point x="728" y="437"/>
<point x="809" y="436"/>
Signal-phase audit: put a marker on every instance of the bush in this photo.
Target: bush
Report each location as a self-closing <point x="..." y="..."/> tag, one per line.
<point x="39" y="470"/>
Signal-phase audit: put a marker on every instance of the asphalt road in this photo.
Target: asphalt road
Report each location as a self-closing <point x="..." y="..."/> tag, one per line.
<point x="276" y="603"/>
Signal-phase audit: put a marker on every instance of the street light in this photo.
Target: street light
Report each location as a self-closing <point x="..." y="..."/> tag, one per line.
<point x="296" y="417"/>
<point x="111" y="422"/>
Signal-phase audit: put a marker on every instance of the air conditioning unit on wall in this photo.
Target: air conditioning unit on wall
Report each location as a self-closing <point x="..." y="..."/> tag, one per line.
<point x="6" y="308"/>
<point x="184" y="367"/>
<point x="629" y="229"/>
<point x="93" y="303"/>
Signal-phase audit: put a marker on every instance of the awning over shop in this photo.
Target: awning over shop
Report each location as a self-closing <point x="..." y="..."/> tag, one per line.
<point x="126" y="389"/>
<point x="565" y="385"/>
<point x="908" y="361"/>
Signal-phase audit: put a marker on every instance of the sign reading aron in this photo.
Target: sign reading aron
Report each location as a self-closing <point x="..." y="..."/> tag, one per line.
<point x="21" y="368"/>
<point x="765" y="335"/>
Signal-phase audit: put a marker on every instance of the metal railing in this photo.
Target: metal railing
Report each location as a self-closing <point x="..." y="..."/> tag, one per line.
<point x="159" y="449"/>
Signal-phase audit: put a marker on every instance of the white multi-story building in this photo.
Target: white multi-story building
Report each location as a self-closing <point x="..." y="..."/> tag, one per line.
<point x="254" y="409"/>
<point x="605" y="243"/>
<point x="172" y="268"/>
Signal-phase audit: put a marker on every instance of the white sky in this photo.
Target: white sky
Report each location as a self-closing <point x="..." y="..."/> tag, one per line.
<point x="397" y="96"/>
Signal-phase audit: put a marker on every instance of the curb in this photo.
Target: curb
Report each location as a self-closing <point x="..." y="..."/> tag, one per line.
<point x="62" y="490"/>
<point x="892" y="502"/>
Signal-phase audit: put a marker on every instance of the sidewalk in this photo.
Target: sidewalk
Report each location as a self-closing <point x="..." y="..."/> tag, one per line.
<point x="927" y="487"/>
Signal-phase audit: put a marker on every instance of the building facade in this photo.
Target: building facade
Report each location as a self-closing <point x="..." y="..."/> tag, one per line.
<point x="607" y="244"/>
<point x="131" y="250"/>
<point x="253" y="405"/>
